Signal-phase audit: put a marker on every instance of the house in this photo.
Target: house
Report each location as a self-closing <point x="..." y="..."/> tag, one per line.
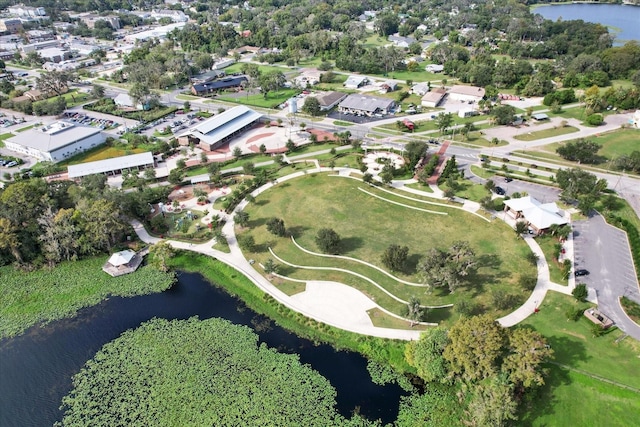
<point x="388" y="86"/>
<point x="209" y="76"/>
<point x="56" y="141"/>
<point x="466" y="93"/>
<point x="11" y="25"/>
<point x="354" y="82"/>
<point x="126" y="102"/>
<point x="400" y="41"/>
<point x="91" y="19"/>
<point x="123" y="262"/>
<point x="159" y="33"/>
<point x="361" y="105"/>
<point x="215" y="86"/>
<point x="217" y="130"/>
<point x="434" y="98"/>
<point x="328" y="100"/>
<point x="223" y="63"/>
<point x="113" y="166"/>
<point x="420" y="89"/>
<point x="23" y="11"/>
<point x="538" y="216"/>
<point x="434" y="68"/>
<point x="54" y="54"/>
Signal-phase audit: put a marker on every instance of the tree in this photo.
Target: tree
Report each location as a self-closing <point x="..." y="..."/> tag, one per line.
<point x="97" y="91"/>
<point x="311" y="106"/>
<point x="492" y="404"/>
<point x="527" y="351"/>
<point x="367" y="177"/>
<point x="103" y="224"/>
<point x="270" y="267"/>
<point x="581" y="151"/>
<point x="444" y="121"/>
<point x="328" y="240"/>
<point x="447" y="268"/>
<point x="249" y="168"/>
<point x="237" y="152"/>
<point x="246" y="242"/>
<point x="521" y="228"/>
<point x="9" y="238"/>
<point x="576" y="183"/>
<point x="395" y="257"/>
<point x="490" y="185"/>
<point x="426" y="354"/>
<point x="291" y="146"/>
<point x="60" y="235"/>
<point x="503" y="114"/>
<point x="161" y="253"/>
<point x="56" y="82"/>
<point x="263" y="148"/>
<point x="414" y="310"/>
<point x="175" y="176"/>
<point x="241" y="218"/>
<point x="580" y="292"/>
<point x="271" y="81"/>
<point x="415" y="151"/>
<point x="276" y="226"/>
<point x="475" y="346"/>
<point x="386" y="23"/>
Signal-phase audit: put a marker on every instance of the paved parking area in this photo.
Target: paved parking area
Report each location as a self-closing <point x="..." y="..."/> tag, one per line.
<point x="604" y="251"/>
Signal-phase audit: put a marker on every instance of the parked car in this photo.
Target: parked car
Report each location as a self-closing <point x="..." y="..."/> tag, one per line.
<point x="499" y="191"/>
<point x="508" y="179"/>
<point x="581" y="272"/>
<point x="12" y="164"/>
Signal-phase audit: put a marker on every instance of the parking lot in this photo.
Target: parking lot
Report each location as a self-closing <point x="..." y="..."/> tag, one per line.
<point x="87" y="120"/>
<point x="604" y="251"/>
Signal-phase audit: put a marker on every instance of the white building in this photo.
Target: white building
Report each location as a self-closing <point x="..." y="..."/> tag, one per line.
<point x="174" y="15"/>
<point x="354" y="82"/>
<point x="466" y="93"/>
<point x="23" y="11"/>
<point x="112" y="166"/>
<point x="538" y="216"/>
<point x="154" y="33"/>
<point x="56" y="141"/>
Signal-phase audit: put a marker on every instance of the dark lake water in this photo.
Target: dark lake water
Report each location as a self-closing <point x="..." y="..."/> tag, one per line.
<point x="626" y="18"/>
<point x="36" y="368"/>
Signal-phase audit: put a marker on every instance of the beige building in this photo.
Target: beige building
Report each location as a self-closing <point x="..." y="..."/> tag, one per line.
<point x="12" y="26"/>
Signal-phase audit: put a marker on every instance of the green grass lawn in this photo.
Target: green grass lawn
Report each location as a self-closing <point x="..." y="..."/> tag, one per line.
<point x="342" y="123"/>
<point x="5" y="136"/>
<point x="547" y="244"/>
<point x="546" y="133"/>
<point x="41" y="296"/>
<point x="482" y="172"/>
<point x="367" y="227"/>
<point x="272" y="100"/>
<point x="24" y="129"/>
<point x="101" y="153"/>
<point x="573" y="397"/>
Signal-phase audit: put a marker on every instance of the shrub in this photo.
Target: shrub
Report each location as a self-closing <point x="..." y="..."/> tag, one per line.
<point x="574" y="313"/>
<point x="528" y="283"/>
<point x="580" y="292"/>
<point x="595" y="120"/>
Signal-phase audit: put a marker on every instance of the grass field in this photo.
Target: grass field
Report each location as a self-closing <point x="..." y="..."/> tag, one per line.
<point x="45" y="295"/>
<point x="272" y="100"/>
<point x="101" y="153"/>
<point x="367" y="226"/>
<point x="577" y="396"/>
<point x="25" y="128"/>
<point x="546" y="133"/>
<point x="5" y="136"/>
<point x="547" y="244"/>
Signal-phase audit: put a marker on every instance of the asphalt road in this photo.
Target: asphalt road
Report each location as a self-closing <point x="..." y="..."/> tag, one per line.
<point x="604" y="251"/>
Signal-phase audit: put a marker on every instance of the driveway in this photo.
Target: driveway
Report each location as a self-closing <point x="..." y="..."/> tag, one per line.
<point x="604" y="251"/>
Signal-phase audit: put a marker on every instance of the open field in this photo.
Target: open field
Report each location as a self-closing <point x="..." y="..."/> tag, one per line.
<point x="546" y="133"/>
<point x="589" y="387"/>
<point x="367" y="226"/>
<point x="272" y="100"/>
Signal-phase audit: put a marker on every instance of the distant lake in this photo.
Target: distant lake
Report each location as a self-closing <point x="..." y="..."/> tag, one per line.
<point x="625" y="19"/>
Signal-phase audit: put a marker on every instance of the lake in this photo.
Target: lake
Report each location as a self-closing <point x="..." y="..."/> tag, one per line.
<point x="36" y="368"/>
<point x="625" y="19"/>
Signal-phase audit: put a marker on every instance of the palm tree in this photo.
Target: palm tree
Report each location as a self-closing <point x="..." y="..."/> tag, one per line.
<point x="521" y="228"/>
<point x="414" y="311"/>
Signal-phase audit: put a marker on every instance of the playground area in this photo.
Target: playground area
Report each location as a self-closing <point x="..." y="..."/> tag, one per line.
<point x="376" y="160"/>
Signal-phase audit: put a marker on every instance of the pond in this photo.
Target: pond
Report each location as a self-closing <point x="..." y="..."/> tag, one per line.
<point x="623" y="20"/>
<point x="36" y="368"/>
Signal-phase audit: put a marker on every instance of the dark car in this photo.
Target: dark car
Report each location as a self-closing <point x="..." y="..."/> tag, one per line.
<point x="499" y="191"/>
<point x="581" y="272"/>
<point x="507" y="179"/>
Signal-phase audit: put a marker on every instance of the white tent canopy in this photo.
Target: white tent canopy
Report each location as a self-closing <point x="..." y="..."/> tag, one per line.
<point x="121" y="258"/>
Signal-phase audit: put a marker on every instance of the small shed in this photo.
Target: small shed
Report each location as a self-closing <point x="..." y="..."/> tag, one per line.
<point x="123" y="262"/>
<point x="540" y="117"/>
<point x="598" y="318"/>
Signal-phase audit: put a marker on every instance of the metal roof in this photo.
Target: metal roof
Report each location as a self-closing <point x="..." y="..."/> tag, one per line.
<point x="43" y="139"/>
<point x="366" y="103"/>
<point x="220" y="84"/>
<point x="110" y="165"/>
<point x="224" y="124"/>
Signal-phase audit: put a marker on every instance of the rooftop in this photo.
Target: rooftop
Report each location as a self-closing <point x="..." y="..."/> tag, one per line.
<point x="53" y="136"/>
<point x="224" y="124"/>
<point x="366" y="103"/>
<point x="109" y="165"/>
<point x="467" y="90"/>
<point x="540" y="215"/>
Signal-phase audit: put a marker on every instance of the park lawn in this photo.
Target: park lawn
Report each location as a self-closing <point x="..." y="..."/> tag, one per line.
<point x="420" y="186"/>
<point x="575" y="346"/>
<point x="5" y="136"/>
<point x="482" y="172"/>
<point x="375" y="40"/>
<point x="547" y="244"/>
<point x="184" y="97"/>
<point x="272" y="100"/>
<point x="476" y="138"/>
<point x="367" y="226"/>
<point x="546" y="133"/>
<point x="236" y="68"/>
<point x="470" y="191"/>
<point x="41" y="296"/>
<point x="381" y="319"/>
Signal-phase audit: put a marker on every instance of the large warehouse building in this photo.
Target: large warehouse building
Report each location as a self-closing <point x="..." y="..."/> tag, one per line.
<point x="215" y="131"/>
<point x="362" y="105"/>
<point x="56" y="141"/>
<point x="112" y="166"/>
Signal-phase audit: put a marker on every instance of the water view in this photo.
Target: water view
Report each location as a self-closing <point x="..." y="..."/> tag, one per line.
<point x="36" y="368"/>
<point x="623" y="20"/>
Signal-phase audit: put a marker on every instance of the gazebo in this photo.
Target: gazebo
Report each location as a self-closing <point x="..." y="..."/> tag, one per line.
<point x="123" y="262"/>
<point x="538" y="216"/>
